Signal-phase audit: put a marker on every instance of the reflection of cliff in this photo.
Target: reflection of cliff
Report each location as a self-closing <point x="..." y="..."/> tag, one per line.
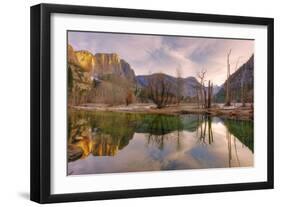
<point x="103" y="145"/>
<point x="104" y="133"/>
<point x="243" y="130"/>
<point x="112" y="132"/>
<point x="100" y="135"/>
<point x="79" y="137"/>
<point x="80" y="148"/>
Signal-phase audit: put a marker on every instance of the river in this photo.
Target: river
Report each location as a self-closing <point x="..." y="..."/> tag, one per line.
<point x="114" y="142"/>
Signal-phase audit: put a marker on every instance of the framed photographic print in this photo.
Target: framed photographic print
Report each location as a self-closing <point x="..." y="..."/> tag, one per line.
<point x="132" y="103"/>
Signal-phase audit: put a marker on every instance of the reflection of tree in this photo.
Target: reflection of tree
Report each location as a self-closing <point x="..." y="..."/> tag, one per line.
<point x="243" y="130"/>
<point x="231" y="142"/>
<point x="179" y="133"/>
<point x="236" y="153"/>
<point x="228" y="138"/>
<point x="160" y="127"/>
<point x="191" y="122"/>
<point x="158" y="140"/>
<point x="205" y="129"/>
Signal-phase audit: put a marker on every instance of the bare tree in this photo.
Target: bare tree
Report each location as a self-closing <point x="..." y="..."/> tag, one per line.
<point x="204" y="97"/>
<point x="159" y="90"/>
<point x="227" y="97"/>
<point x="202" y="93"/>
<point x="210" y="94"/>
<point x="179" y="86"/>
<point x="236" y="93"/>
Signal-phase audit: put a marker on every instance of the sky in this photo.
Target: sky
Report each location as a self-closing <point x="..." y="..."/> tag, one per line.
<point x="168" y="54"/>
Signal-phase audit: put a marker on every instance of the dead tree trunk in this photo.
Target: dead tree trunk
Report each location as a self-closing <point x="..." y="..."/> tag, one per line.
<point x="210" y="94"/>
<point x="205" y="96"/>
<point x="227" y="97"/>
<point x="201" y="76"/>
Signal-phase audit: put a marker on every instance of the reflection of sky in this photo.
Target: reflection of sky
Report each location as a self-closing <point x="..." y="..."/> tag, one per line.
<point x="146" y="53"/>
<point x="190" y="153"/>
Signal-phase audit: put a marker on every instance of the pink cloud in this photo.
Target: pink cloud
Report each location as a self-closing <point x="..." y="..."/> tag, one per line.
<point x="166" y="53"/>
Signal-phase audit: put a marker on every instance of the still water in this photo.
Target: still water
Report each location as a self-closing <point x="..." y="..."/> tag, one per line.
<point x="111" y="142"/>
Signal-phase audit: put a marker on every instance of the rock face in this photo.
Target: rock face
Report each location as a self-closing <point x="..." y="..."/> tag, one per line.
<point x="85" y="60"/>
<point x="111" y="64"/>
<point x="101" y="64"/>
<point x="244" y="75"/>
<point x="102" y="77"/>
<point x="189" y="84"/>
<point x="78" y="75"/>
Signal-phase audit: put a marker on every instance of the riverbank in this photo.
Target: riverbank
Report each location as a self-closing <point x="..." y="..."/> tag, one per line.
<point x="233" y="112"/>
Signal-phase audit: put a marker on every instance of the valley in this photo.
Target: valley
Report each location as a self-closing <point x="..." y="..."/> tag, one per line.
<point x="140" y="103"/>
<point x="105" y="82"/>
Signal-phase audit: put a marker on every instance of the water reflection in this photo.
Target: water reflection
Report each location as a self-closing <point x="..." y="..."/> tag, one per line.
<point x="205" y="132"/>
<point x="106" y="142"/>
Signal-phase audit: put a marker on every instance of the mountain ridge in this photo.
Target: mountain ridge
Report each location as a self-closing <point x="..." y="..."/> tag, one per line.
<point x="243" y="75"/>
<point x="189" y="84"/>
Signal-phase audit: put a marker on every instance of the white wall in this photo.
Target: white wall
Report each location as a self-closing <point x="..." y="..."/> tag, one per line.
<point x="14" y="101"/>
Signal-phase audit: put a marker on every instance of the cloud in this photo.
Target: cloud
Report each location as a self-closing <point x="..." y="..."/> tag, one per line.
<point x="151" y="53"/>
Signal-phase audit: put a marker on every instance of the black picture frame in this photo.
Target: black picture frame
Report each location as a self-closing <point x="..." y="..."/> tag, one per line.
<point x="41" y="99"/>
